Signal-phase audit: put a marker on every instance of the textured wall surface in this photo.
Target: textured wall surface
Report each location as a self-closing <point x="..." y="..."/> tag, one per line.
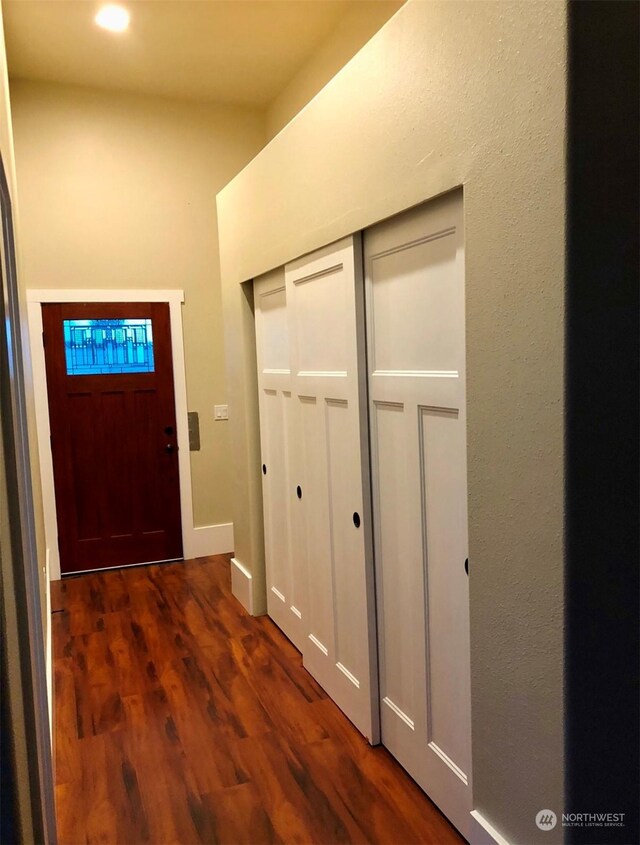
<point x="118" y="191"/>
<point x="353" y="31"/>
<point x="449" y="94"/>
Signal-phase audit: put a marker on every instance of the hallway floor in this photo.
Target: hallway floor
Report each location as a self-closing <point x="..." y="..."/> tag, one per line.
<point x="181" y="719"/>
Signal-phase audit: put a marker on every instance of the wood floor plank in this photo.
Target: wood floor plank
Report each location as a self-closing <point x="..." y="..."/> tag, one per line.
<point x="250" y="718"/>
<point x="101" y="816"/>
<point x="212" y="767"/>
<point x="124" y="788"/>
<point x="70" y="812"/>
<point x="181" y="719"/>
<point x="83" y="617"/>
<point x="68" y="766"/>
<point x="284" y="694"/>
<point x="273" y="772"/>
<point x="237" y="816"/>
<point x="381" y="769"/>
<point x="129" y="665"/>
<point x="164" y="776"/>
<point x="98" y="700"/>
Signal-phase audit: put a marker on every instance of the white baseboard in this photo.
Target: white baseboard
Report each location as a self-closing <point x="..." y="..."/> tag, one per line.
<point x="48" y="644"/>
<point x="209" y="540"/>
<point x="241" y="585"/>
<point x="483" y="833"/>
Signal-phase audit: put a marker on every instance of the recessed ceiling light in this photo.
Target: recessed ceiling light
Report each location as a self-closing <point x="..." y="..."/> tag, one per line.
<point x="113" y="18"/>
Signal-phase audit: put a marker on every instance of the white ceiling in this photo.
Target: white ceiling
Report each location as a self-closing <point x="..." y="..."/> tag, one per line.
<point x="230" y="51"/>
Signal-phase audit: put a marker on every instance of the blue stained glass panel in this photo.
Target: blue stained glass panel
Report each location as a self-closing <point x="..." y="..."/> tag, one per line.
<point x="98" y="347"/>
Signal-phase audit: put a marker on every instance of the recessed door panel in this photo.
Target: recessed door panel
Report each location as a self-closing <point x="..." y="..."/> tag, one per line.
<point x="296" y="551"/>
<point x="117" y="479"/>
<point x="84" y="454"/>
<point x="400" y="583"/>
<point x="275" y="481"/>
<point x="312" y="503"/>
<point x="274" y="328"/>
<point x="148" y="509"/>
<point x="445" y="529"/>
<point x="322" y="343"/>
<point x="346" y="540"/>
<point x="422" y="306"/>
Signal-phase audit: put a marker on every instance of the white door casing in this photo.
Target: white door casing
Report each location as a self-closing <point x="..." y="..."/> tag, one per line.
<point x="285" y="570"/>
<point x="197" y="541"/>
<point x="324" y="293"/>
<point x="414" y="270"/>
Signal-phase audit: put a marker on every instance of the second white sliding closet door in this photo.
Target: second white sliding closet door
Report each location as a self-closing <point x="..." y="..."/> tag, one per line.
<point x="324" y="305"/>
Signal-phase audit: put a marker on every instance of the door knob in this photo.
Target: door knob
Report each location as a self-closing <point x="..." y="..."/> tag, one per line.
<point x="169" y="448"/>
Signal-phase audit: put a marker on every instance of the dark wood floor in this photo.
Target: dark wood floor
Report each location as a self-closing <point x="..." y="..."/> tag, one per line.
<point x="180" y="719"/>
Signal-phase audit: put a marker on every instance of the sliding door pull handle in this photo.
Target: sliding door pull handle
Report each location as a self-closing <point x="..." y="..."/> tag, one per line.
<point x="356" y="519"/>
<point x="466" y="566"/>
<point x="299" y="491"/>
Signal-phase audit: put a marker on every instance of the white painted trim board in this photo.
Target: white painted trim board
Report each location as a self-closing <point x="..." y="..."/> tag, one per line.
<point x="48" y="643"/>
<point x="484" y="833"/>
<point x="212" y="540"/>
<point x="241" y="585"/>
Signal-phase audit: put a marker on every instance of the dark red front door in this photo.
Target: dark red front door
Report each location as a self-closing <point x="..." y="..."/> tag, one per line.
<point x="113" y="433"/>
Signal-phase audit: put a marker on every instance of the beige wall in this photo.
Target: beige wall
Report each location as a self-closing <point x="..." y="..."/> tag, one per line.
<point x="352" y="32"/>
<point x="449" y="94"/>
<point x="118" y="191"/>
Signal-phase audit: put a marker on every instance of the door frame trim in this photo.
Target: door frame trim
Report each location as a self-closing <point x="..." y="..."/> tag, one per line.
<point x="174" y="298"/>
<point x="32" y="789"/>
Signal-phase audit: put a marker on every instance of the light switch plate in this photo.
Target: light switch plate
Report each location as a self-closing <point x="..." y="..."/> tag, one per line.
<point x="221" y="412"/>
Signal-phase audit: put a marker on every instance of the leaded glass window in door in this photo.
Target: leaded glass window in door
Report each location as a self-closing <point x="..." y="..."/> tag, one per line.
<point x="103" y="347"/>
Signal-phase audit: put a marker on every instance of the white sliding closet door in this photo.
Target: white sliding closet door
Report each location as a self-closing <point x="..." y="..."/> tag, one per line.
<point x="286" y="569"/>
<point x="328" y="385"/>
<point x="414" y="269"/>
